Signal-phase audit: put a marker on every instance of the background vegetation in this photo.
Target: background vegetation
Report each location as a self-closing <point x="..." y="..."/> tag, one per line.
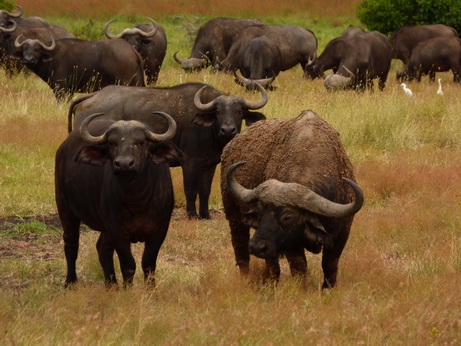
<point x="400" y="272"/>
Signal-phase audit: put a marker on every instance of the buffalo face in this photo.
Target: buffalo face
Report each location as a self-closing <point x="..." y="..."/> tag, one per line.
<point x="31" y="51"/>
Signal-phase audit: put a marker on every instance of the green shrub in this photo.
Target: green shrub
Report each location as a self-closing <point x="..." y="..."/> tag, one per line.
<point x="6" y="5"/>
<point x="388" y="15"/>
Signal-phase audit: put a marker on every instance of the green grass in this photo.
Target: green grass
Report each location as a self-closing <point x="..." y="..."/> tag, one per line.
<point x="399" y="274"/>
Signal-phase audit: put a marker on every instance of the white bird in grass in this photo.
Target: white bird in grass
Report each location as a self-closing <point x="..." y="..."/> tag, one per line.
<point x="440" y="92"/>
<point x="406" y="90"/>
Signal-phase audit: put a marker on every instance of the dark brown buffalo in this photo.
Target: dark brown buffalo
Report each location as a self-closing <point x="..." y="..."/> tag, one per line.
<point x="73" y="65"/>
<point x="437" y="54"/>
<point x="150" y="41"/>
<point x="213" y="41"/>
<point x="8" y="19"/>
<point x="207" y="120"/>
<point x="297" y="45"/>
<point x="366" y="56"/>
<point x="9" y="35"/>
<point x="405" y="39"/>
<point x="114" y="177"/>
<point x="295" y="189"/>
<point x="331" y="56"/>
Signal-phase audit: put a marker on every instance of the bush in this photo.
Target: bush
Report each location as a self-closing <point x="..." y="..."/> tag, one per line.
<point x="388" y="15"/>
<point x="6" y="5"/>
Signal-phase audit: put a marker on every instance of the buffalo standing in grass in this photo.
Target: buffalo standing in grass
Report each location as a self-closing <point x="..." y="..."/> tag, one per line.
<point x="150" y="41"/>
<point x="207" y="120"/>
<point x="8" y="18"/>
<point x="437" y="54"/>
<point x="113" y="177"/>
<point x="405" y="39"/>
<point x="296" y="190"/>
<point x="213" y="42"/>
<point x="73" y="65"/>
<point x="297" y="45"/>
<point x="366" y="56"/>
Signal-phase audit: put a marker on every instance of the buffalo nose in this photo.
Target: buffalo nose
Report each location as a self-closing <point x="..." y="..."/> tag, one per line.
<point x="124" y="163"/>
<point x="228" y="131"/>
<point x="257" y="248"/>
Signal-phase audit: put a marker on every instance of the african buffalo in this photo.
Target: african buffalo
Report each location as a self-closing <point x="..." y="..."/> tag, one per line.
<point x="9" y="35"/>
<point x="207" y="120"/>
<point x="437" y="54"/>
<point x="297" y="45"/>
<point x="73" y="65"/>
<point x="213" y="41"/>
<point x="8" y="18"/>
<point x="366" y="56"/>
<point x="295" y="189"/>
<point x="260" y="62"/>
<point x="331" y="55"/>
<point x="150" y="41"/>
<point x="115" y="180"/>
<point x="405" y="39"/>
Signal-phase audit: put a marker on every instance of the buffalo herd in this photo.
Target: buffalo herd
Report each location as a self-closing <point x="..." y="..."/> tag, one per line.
<point x="288" y="179"/>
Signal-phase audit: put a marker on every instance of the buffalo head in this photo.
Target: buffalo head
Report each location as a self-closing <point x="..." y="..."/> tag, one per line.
<point x="127" y="144"/>
<point x="5" y="16"/>
<point x="252" y="84"/>
<point x="338" y="81"/>
<point x="134" y="36"/>
<point x="288" y="211"/>
<point x="193" y="64"/>
<point x="31" y="51"/>
<point x="228" y="111"/>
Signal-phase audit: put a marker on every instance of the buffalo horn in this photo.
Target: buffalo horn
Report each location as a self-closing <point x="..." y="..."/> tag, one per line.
<point x="257" y="104"/>
<point x="152" y="32"/>
<point x="106" y="30"/>
<point x="251" y="82"/>
<point x="16" y="15"/>
<point x="169" y="134"/>
<point x="13" y="27"/>
<point x="348" y="71"/>
<point x="203" y="107"/>
<point x="180" y="61"/>
<point x="51" y="47"/>
<point x="296" y="195"/>
<point x="16" y="42"/>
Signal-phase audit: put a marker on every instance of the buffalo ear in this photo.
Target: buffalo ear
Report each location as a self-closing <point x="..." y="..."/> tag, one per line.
<point x="16" y="55"/>
<point x="204" y="118"/>
<point x="252" y="117"/>
<point x="166" y="152"/>
<point x="92" y="155"/>
<point x="251" y="219"/>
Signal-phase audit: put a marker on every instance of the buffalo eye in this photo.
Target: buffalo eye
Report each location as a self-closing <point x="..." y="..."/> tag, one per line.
<point x="287" y="218"/>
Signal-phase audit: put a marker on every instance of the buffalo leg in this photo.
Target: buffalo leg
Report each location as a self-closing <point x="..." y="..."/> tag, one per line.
<point x="106" y="258"/>
<point x="71" y="236"/>
<point x="127" y="263"/>
<point x="149" y="258"/>
<point x="191" y="179"/>
<point x="240" y="237"/>
<point x="272" y="273"/>
<point x="298" y="263"/>
<point x="206" y="181"/>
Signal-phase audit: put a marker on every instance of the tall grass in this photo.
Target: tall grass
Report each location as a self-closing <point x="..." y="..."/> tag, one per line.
<point x="399" y="274"/>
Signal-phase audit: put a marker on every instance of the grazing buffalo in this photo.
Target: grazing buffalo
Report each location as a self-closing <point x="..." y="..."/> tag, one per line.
<point x="405" y="39"/>
<point x="73" y="65"/>
<point x="366" y="56"/>
<point x="297" y="45"/>
<point x="114" y="177"/>
<point x="207" y="120"/>
<point x="213" y="42"/>
<point x="332" y="54"/>
<point x="9" y="35"/>
<point x="437" y="54"/>
<point x="296" y="190"/>
<point x="260" y="62"/>
<point x="150" y="41"/>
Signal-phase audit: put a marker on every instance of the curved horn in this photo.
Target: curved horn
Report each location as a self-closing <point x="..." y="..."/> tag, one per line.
<point x="348" y="71"/>
<point x="16" y="42"/>
<point x="16" y="15"/>
<point x="203" y="107"/>
<point x="169" y="134"/>
<point x="177" y="59"/>
<point x="309" y="61"/>
<point x="86" y="135"/>
<point x="152" y="32"/>
<point x="258" y="104"/>
<point x="13" y="27"/>
<point x="251" y="82"/>
<point x="241" y="193"/>
<point x="53" y="44"/>
<point x="106" y="30"/>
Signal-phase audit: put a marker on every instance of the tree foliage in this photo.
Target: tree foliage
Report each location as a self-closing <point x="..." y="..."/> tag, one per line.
<point x="6" y="5"/>
<point x="388" y="15"/>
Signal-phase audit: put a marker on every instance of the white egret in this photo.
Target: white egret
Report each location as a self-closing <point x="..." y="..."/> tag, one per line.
<point x="439" y="91"/>
<point x="406" y="90"/>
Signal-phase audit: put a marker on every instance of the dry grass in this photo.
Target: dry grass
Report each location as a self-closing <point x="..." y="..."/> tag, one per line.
<point x="399" y="274"/>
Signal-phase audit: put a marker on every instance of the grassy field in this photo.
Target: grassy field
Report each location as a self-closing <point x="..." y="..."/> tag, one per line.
<point x="399" y="275"/>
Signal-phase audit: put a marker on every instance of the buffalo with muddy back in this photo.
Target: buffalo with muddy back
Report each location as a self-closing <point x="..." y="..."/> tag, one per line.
<point x="114" y="177"/>
<point x="207" y="120"/>
<point x="290" y="180"/>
